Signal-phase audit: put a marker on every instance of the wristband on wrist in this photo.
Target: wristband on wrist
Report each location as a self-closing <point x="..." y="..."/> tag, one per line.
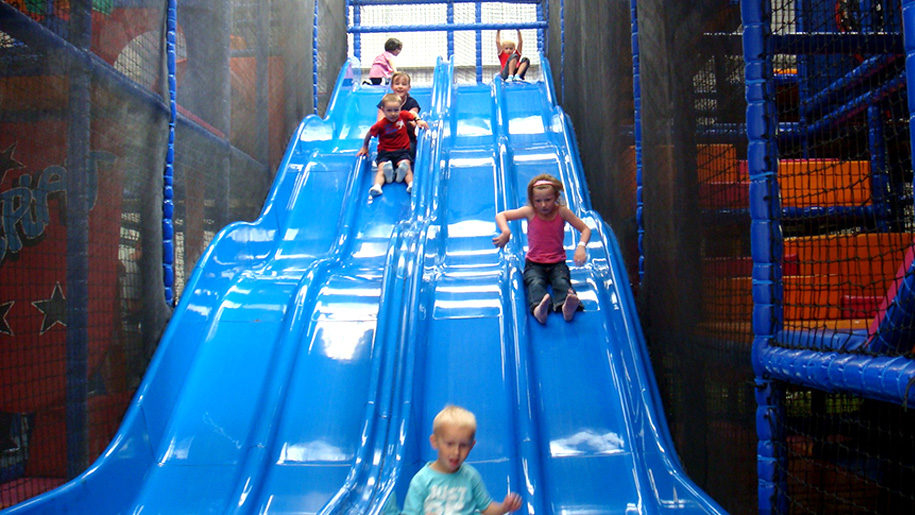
<point x="582" y="244"/>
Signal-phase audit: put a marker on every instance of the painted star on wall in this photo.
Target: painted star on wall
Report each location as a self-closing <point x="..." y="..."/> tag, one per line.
<point x="7" y="161"/>
<point x="54" y="309"/>
<point x="4" y="323"/>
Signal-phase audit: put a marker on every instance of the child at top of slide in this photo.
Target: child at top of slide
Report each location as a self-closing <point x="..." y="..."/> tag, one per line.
<point x="510" y="57"/>
<point x="383" y="65"/>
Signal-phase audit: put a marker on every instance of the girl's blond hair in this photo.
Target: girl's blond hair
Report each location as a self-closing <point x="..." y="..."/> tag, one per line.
<point x="544" y="181"/>
<point x="455" y="416"/>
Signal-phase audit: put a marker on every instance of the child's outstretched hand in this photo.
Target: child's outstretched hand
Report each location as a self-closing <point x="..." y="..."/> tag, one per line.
<point x="512" y="502"/>
<point x="364" y="151"/>
<point x="580" y="256"/>
<point x="422" y="123"/>
<point x="501" y="239"/>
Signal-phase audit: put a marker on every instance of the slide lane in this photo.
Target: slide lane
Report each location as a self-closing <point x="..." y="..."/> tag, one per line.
<point x="463" y="355"/>
<point x="464" y="348"/>
<point x="372" y="477"/>
<point x="603" y="441"/>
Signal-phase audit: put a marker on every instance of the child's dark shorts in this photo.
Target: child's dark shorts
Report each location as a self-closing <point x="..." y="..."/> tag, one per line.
<point x="394" y="156"/>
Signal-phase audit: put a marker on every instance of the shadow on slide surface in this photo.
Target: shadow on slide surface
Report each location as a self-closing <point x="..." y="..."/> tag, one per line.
<point x="311" y="348"/>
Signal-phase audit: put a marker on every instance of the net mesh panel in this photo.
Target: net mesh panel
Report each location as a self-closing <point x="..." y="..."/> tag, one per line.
<point x="845" y="179"/>
<point x="422" y="48"/>
<point x="47" y="132"/>
<point x="847" y="454"/>
<point x="695" y="297"/>
<point x="331" y="55"/>
<point x="847" y="216"/>
<point x="244" y="73"/>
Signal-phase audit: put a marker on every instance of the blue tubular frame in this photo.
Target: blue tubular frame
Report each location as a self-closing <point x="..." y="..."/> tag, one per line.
<point x="766" y="245"/>
<point x="637" y="129"/>
<point x="314" y="59"/>
<point x="168" y="175"/>
<point x="356" y="28"/>
<point x="478" y="40"/>
<point x="414" y="2"/>
<point x="446" y="27"/>
<point x="883" y="378"/>
<point x="888" y="46"/>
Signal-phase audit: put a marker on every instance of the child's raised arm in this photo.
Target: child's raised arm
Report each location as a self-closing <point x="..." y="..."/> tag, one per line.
<point x="502" y="219"/>
<point x="581" y="251"/>
<point x="520" y="42"/>
<point x="499" y="41"/>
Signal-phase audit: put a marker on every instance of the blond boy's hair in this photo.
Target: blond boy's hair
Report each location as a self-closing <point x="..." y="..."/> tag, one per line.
<point x="455" y="416"/>
<point x="391" y="98"/>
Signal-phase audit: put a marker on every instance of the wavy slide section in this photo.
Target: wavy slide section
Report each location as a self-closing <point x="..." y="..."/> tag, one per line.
<point x="313" y="347"/>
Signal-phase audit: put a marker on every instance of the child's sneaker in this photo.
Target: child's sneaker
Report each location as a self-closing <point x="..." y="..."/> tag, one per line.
<point x="410" y="188"/>
<point x="388" y="170"/>
<point x="401" y="171"/>
<point x="570" y="306"/>
<point x="375" y="191"/>
<point x="542" y="309"/>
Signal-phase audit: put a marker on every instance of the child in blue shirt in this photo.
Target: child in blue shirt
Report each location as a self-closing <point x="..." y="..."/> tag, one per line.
<point x="448" y="486"/>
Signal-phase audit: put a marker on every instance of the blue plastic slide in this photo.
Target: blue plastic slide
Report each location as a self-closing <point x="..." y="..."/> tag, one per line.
<point x="311" y="348"/>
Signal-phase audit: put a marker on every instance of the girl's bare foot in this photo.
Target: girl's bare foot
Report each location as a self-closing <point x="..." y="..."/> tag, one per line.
<point x="570" y="306"/>
<point x="542" y="309"/>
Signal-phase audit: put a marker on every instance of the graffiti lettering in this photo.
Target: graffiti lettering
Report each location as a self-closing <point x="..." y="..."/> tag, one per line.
<point x="25" y="207"/>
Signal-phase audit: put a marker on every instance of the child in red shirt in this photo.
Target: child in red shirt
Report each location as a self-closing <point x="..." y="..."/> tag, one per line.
<point x="393" y="144"/>
<point x="510" y="57"/>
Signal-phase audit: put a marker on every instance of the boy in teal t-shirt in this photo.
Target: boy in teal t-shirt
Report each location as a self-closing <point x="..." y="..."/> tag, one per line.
<point x="448" y="486"/>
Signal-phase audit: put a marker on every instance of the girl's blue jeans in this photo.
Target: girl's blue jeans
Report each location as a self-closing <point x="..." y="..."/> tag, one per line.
<point x="538" y="276"/>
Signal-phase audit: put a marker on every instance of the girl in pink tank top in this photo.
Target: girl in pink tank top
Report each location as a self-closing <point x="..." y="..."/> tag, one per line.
<point x="545" y="264"/>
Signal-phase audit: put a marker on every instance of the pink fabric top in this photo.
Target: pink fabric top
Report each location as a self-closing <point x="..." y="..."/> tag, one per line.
<point x="544" y="240"/>
<point x="381" y="65"/>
